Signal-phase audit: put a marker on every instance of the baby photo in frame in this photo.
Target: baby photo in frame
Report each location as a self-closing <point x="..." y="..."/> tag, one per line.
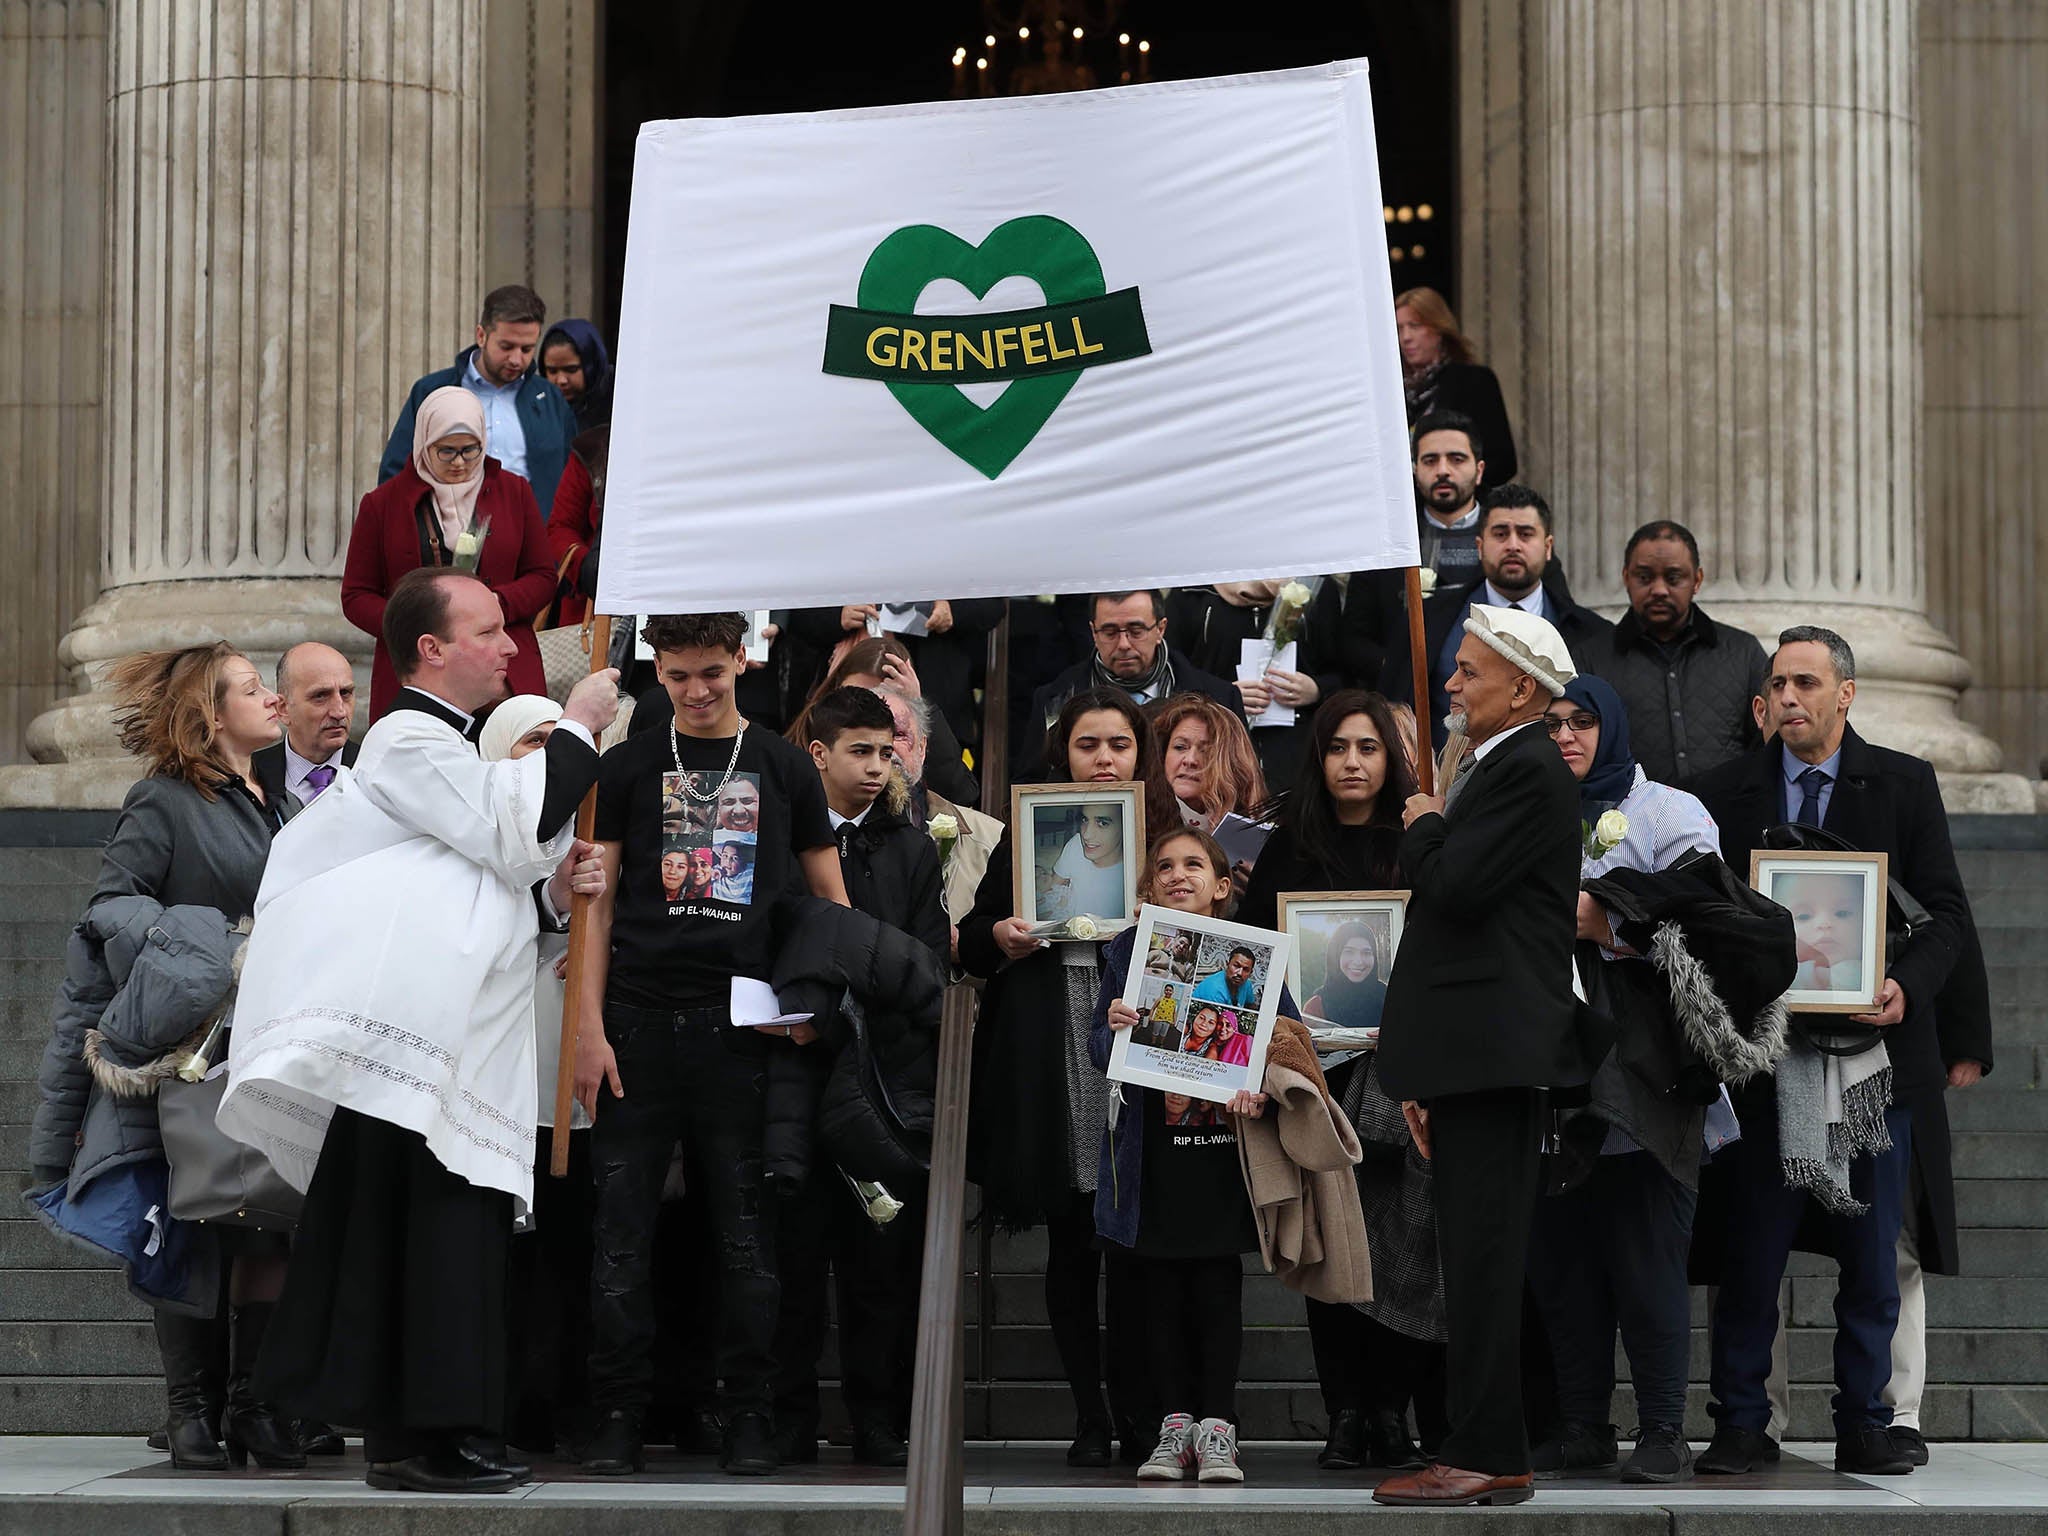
<point x="1204" y="1037"/>
<point x="1078" y="852"/>
<point x="1837" y="902"/>
<point x="1343" y="953"/>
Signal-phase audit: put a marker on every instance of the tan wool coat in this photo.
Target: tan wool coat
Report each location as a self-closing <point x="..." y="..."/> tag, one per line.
<point x="1297" y="1160"/>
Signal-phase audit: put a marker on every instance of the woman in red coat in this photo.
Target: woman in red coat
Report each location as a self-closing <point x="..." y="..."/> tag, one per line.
<point x="448" y="490"/>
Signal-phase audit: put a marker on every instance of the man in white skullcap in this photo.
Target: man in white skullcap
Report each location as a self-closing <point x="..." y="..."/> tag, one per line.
<point x="1480" y="1020"/>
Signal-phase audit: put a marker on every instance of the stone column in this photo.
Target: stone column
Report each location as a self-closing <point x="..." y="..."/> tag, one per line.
<point x="1984" y="118"/>
<point x="1732" y="321"/>
<point x="293" y="205"/>
<point x="544" y="104"/>
<point x="53" y="111"/>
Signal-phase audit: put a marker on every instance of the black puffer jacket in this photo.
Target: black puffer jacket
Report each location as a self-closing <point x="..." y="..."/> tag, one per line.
<point x="892" y="872"/>
<point x="896" y="982"/>
<point x="1688" y="702"/>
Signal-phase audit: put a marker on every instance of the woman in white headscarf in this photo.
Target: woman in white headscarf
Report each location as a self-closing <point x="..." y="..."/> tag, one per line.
<point x="550" y="1296"/>
<point x="451" y="504"/>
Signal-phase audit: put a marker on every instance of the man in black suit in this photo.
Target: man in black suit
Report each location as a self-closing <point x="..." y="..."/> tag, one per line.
<point x="1480" y="1018"/>
<point x="1819" y="772"/>
<point x="318" y="687"/>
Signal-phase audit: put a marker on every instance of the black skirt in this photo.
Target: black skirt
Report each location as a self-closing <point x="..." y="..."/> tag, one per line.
<point x="393" y="1313"/>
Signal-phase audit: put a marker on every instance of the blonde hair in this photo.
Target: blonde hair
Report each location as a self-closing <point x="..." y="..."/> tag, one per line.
<point x="1431" y="309"/>
<point x="1231" y="780"/>
<point x="165" y="704"/>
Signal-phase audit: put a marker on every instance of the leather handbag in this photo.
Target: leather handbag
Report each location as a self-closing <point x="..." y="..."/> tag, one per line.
<point x="564" y="657"/>
<point x="214" y="1178"/>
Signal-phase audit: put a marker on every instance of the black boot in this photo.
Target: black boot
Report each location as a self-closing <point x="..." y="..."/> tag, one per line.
<point x="1344" y="1447"/>
<point x="187" y="1345"/>
<point x="1387" y="1443"/>
<point x="318" y="1438"/>
<point x="252" y="1428"/>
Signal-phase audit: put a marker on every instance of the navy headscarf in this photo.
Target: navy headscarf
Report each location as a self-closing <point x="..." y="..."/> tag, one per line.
<point x="1613" y="773"/>
<point x="595" y="407"/>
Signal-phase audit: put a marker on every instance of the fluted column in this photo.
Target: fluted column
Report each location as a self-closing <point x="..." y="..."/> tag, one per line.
<point x="293" y="196"/>
<point x="542" y="160"/>
<point x="1984" y="117"/>
<point x="53" y="108"/>
<point x="1733" y="322"/>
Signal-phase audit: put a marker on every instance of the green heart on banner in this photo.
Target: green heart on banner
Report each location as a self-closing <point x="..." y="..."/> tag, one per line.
<point x="885" y="339"/>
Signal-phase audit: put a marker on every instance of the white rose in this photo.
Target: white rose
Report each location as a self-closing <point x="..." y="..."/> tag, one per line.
<point x="1428" y="581"/>
<point x="1610" y="829"/>
<point x="1295" y="595"/>
<point x="1083" y="928"/>
<point x="943" y="828"/>
<point x="465" y="545"/>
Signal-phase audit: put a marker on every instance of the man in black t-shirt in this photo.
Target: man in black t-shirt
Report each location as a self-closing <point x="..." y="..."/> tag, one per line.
<point x="661" y="977"/>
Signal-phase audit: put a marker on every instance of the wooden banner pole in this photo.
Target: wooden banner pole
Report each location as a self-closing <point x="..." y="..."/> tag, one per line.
<point x="579" y="937"/>
<point x="1425" y="728"/>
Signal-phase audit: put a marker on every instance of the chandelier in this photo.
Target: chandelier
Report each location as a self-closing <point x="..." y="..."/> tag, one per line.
<point x="1036" y="47"/>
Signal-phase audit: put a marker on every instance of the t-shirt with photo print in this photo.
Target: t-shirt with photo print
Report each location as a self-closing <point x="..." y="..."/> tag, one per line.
<point x="704" y="859"/>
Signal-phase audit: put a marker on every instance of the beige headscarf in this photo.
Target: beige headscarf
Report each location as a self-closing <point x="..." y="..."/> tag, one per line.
<point x="447" y="412"/>
<point x="510" y="721"/>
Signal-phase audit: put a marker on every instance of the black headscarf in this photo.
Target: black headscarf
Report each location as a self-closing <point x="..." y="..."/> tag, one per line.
<point x="1613" y="773"/>
<point x="1352" y="1004"/>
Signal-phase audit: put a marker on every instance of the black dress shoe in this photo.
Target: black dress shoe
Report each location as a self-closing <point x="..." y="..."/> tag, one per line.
<point x="318" y="1439"/>
<point x="615" y="1449"/>
<point x="1579" y="1450"/>
<point x="699" y="1433"/>
<point x="158" y="1440"/>
<point x="1387" y="1443"/>
<point x="1736" y="1452"/>
<point x="492" y="1456"/>
<point x="878" y="1445"/>
<point x="1909" y="1443"/>
<point x="438" y="1472"/>
<point x="1344" y="1447"/>
<point x="749" y="1446"/>
<point x="1868" y="1450"/>
<point x="1662" y="1454"/>
<point x="1091" y="1445"/>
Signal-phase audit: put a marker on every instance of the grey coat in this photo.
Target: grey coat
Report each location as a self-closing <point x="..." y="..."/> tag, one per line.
<point x="139" y="979"/>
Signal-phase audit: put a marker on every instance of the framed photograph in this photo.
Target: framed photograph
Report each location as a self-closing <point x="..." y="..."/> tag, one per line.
<point x="1837" y="902"/>
<point x="1343" y="953"/>
<point x="1077" y="851"/>
<point x="1206" y="992"/>
<point x="757" y="646"/>
<point x="911" y="619"/>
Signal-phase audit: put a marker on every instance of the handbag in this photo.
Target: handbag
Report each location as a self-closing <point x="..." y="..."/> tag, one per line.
<point x="213" y="1177"/>
<point x="564" y="648"/>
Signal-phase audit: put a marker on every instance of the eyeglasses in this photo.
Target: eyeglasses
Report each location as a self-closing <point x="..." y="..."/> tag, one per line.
<point x="448" y="455"/>
<point x="1109" y="634"/>
<point x="1580" y="723"/>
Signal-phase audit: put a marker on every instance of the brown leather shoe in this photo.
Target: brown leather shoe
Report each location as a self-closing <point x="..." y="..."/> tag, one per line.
<point x="1442" y="1485"/>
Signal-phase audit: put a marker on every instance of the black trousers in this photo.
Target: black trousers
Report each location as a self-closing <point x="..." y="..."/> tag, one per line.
<point x="393" y="1317"/>
<point x="1073" y="1266"/>
<point x="688" y="1075"/>
<point x="1194" y="1318"/>
<point x="1365" y="1366"/>
<point x="550" y="1303"/>
<point x="1612" y="1253"/>
<point x="1487" y="1161"/>
<point x="685" y="1286"/>
<point x="821" y="1226"/>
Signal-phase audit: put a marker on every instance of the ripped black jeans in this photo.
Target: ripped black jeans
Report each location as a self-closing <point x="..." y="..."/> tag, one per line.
<point x="689" y="1076"/>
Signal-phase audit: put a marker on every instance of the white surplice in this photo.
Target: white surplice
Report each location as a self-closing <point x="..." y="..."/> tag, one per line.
<point x="391" y="968"/>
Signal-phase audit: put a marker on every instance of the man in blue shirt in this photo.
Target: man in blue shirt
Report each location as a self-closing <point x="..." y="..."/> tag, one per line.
<point x="527" y="423"/>
<point x="1231" y="986"/>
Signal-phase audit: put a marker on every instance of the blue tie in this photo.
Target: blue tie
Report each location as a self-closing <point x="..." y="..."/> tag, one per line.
<point x="1811" y="782"/>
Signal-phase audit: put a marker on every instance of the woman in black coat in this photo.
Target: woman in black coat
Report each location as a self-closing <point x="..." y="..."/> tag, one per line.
<point x="1038" y="1104"/>
<point x="1341" y="831"/>
<point x="1441" y="371"/>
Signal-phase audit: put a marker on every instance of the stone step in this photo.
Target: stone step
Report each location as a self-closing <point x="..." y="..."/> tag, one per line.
<point x="2000" y="1154"/>
<point x="80" y="1405"/>
<point x="69" y="1295"/>
<point x="2006" y="1253"/>
<point x="25" y="1243"/>
<point x="36" y="977"/>
<point x="18" y="1100"/>
<point x="1953" y="1301"/>
<point x="48" y="866"/>
<point x="1982" y="1108"/>
<point x="33" y="938"/>
<point x="2014" y="939"/>
<point x="79" y="1349"/>
<point x="2001" y="1202"/>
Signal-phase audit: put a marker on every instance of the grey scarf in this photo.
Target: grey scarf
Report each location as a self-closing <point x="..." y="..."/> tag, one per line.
<point x="1831" y="1112"/>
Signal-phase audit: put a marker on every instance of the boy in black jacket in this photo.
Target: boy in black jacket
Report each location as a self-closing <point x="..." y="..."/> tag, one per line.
<point x="892" y="873"/>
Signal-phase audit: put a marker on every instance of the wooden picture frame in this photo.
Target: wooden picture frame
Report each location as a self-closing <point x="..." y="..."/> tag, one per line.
<point x="1048" y="850"/>
<point x="1820" y="931"/>
<point x="1169" y="1050"/>
<point x="1385" y="913"/>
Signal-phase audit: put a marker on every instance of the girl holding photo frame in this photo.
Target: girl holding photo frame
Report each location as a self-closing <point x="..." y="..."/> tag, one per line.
<point x="1340" y="831"/>
<point x="1037" y="1103"/>
<point x="1171" y="1192"/>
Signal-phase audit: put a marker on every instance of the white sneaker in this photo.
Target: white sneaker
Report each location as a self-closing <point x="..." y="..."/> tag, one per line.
<point x="1216" y="1452"/>
<point x="1170" y="1460"/>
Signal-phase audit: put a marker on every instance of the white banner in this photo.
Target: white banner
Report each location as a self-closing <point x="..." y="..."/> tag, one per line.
<point x="1115" y="339"/>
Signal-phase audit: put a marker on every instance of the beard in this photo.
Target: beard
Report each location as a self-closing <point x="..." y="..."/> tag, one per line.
<point x="1458" y="723"/>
